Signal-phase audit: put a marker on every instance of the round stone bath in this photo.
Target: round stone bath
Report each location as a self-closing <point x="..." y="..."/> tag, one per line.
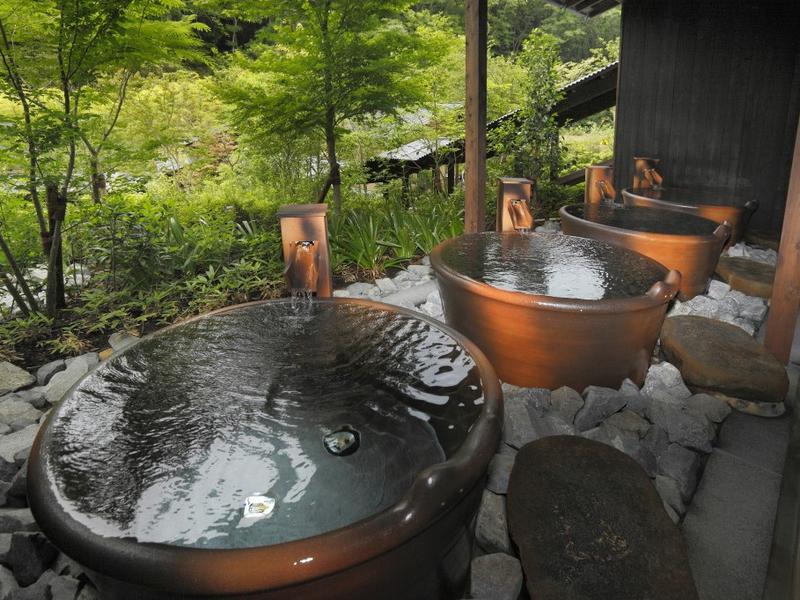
<point x="326" y="449"/>
<point x="551" y="310"/>
<point x="718" y="205"/>
<point x="680" y="241"/>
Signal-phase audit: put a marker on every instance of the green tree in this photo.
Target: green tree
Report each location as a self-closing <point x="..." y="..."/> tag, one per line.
<point x="529" y="144"/>
<point x="325" y="63"/>
<point x="52" y="53"/>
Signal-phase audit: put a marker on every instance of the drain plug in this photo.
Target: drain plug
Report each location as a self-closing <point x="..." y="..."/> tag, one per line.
<point x="343" y="441"/>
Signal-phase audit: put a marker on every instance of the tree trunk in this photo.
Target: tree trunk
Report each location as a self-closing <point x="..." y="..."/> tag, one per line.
<point x="334" y="179"/>
<point x="14" y="293"/>
<point x="20" y="276"/>
<point x="56" y="211"/>
<point x="98" y="179"/>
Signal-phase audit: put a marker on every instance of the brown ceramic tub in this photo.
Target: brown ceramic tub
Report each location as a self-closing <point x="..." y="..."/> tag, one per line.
<point x="551" y="310"/>
<point x="680" y="241"/>
<point x="719" y="206"/>
<point x="368" y="427"/>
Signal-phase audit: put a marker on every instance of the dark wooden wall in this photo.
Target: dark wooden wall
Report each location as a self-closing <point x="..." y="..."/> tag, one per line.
<point x="712" y="87"/>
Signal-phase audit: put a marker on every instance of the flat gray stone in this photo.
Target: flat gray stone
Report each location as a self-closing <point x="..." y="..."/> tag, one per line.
<point x="33" y="396"/>
<point x="30" y="555"/>
<point x="359" y="289"/>
<point x="627" y="420"/>
<point x="656" y="440"/>
<point x="45" y="373"/>
<point x="566" y="402"/>
<point x="90" y="358"/>
<point x="759" y="442"/>
<point x="670" y="493"/>
<point x="12" y="378"/>
<point x="420" y="271"/>
<point x="5" y="545"/>
<point x="497" y="576"/>
<point x="13" y="443"/>
<point x="635" y="401"/>
<point x="549" y="424"/>
<point x="683" y="426"/>
<point x="683" y="466"/>
<point x="37" y="591"/>
<point x="17" y="519"/>
<point x="718" y="289"/>
<point x="7" y="583"/>
<point x="386" y="286"/>
<point x="19" y="484"/>
<point x="600" y="403"/>
<point x="491" y="529"/>
<point x="729" y="527"/>
<point x="629" y="443"/>
<point x="121" y="340"/>
<point x="63" y="588"/>
<point x="12" y="409"/>
<point x="664" y="381"/>
<point x="499" y="472"/>
<point x="62" y="382"/>
<point x="714" y="409"/>
<point x="64" y="565"/>
<point x="517" y="427"/>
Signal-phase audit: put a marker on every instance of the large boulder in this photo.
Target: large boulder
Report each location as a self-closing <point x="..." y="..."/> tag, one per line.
<point x="718" y="357"/>
<point x="748" y="276"/>
<point x="589" y="524"/>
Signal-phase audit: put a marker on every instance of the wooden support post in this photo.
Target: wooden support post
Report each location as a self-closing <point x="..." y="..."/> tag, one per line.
<point x="786" y="287"/>
<point x="475" y="140"/>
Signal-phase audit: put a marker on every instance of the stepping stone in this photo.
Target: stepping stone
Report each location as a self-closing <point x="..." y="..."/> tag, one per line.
<point x="748" y="276"/>
<point x="764" y="239"/>
<point x="720" y="358"/>
<point x="589" y="524"/>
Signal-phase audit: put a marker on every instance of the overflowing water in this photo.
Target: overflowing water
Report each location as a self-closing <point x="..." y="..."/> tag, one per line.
<point x="260" y="425"/>
<point x="645" y="219"/>
<point x="555" y="265"/>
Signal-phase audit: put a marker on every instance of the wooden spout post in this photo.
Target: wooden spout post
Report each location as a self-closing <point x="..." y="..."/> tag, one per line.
<point x="599" y="185"/>
<point x="509" y="189"/>
<point x="308" y="222"/>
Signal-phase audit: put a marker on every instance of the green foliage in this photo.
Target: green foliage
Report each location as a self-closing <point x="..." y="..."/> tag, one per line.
<point x="529" y="144"/>
<point x="376" y="236"/>
<point x="201" y="146"/>
<point x="323" y="64"/>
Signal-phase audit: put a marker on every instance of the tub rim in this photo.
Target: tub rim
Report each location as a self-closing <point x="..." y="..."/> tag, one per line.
<point x="200" y="571"/>
<point x="721" y="233"/>
<point x="747" y="207"/>
<point x="660" y="292"/>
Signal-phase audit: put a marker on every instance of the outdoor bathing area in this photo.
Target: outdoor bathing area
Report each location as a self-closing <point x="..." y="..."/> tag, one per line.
<point x="446" y="372"/>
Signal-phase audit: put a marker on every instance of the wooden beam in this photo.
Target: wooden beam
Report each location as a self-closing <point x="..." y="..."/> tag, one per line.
<point x="786" y="287"/>
<point x="475" y="116"/>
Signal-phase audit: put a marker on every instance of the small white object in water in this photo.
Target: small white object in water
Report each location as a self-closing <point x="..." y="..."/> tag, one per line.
<point x="258" y="506"/>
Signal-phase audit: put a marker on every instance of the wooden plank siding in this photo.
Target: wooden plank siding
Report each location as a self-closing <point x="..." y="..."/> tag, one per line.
<point x="713" y="89"/>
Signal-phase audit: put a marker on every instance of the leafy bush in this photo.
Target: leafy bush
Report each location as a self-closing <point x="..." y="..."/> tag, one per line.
<point x="380" y="235"/>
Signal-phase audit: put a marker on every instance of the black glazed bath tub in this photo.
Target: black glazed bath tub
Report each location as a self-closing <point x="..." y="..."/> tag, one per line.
<point x="333" y="449"/>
